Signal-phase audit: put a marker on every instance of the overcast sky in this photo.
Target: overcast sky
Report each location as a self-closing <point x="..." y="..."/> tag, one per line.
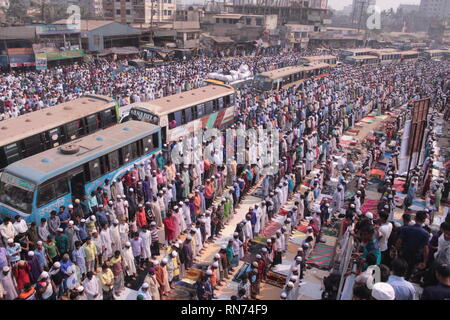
<point x="383" y="4"/>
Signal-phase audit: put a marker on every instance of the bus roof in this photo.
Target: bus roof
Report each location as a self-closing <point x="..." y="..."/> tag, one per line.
<point x="436" y="51"/>
<point x="363" y="57"/>
<point x="404" y="53"/>
<point x="358" y="50"/>
<point x="318" y="58"/>
<point x="50" y="163"/>
<point x="282" y="72"/>
<point x="166" y="105"/>
<point x="29" y="124"/>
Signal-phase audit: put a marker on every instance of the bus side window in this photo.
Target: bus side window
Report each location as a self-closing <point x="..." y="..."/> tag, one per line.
<point x="125" y="154"/>
<point x="104" y="164"/>
<point x="200" y="110"/>
<point x="61" y="187"/>
<point x="73" y="130"/>
<point x="215" y="104"/>
<point x="134" y="150"/>
<point x="209" y="107"/>
<point x="33" y="145"/>
<point x="140" y="147"/>
<point x="178" y="119"/>
<point x="220" y="102"/>
<point x="155" y="142"/>
<point x="147" y="144"/>
<point x="108" y="117"/>
<point x="113" y="159"/>
<point x="188" y="114"/>
<point x="194" y="113"/>
<point x="46" y="194"/>
<point x="11" y="154"/>
<point x="94" y="169"/>
<point x="91" y="123"/>
<point x="183" y="117"/>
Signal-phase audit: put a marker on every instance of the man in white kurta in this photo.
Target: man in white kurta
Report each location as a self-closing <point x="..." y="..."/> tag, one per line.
<point x="105" y="237"/>
<point x="128" y="260"/>
<point x="92" y="287"/>
<point x="115" y="236"/>
<point x="146" y="243"/>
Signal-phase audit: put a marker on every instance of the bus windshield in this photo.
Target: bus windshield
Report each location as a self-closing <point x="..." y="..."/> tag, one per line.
<point x="140" y="115"/>
<point x="16" y="192"/>
<point x="262" y="83"/>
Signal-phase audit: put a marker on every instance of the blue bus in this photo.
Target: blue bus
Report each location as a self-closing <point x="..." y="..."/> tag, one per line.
<point x="34" y="186"/>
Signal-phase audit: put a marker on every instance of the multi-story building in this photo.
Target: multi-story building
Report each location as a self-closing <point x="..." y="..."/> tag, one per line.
<point x="435" y="8"/>
<point x="93" y="7"/>
<point x="359" y="13"/>
<point x="140" y="11"/>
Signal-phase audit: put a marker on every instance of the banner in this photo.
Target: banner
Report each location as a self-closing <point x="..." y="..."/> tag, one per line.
<point x="41" y="61"/>
<point x="60" y="55"/>
<point x="419" y="121"/>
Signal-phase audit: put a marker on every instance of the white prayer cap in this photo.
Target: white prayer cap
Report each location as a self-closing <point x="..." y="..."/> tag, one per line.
<point x="110" y="202"/>
<point x="6" y="269"/>
<point x="125" y="203"/>
<point x="283" y="295"/>
<point x="209" y="272"/>
<point x="57" y="265"/>
<point x="299" y="259"/>
<point x="43" y="275"/>
<point x="180" y="203"/>
<point x="383" y="291"/>
<point x="306" y="245"/>
<point x="294" y="278"/>
<point x="352" y="205"/>
<point x="258" y="256"/>
<point x="80" y="288"/>
<point x="131" y="189"/>
<point x="217" y="256"/>
<point x="174" y="254"/>
<point x="39" y="243"/>
<point x="119" y="196"/>
<point x="100" y="206"/>
<point x="59" y="230"/>
<point x="92" y="218"/>
<point x="175" y="208"/>
<point x="369" y="215"/>
<point x="278" y="232"/>
<point x="300" y="249"/>
<point x="70" y="206"/>
<point x="145" y="285"/>
<point x="153" y="223"/>
<point x="215" y="265"/>
<point x="30" y="253"/>
<point x="236" y="234"/>
<point x="128" y="244"/>
<point x="83" y="220"/>
<point x="179" y="242"/>
<point x="189" y="237"/>
<point x="288" y="219"/>
<point x="164" y="260"/>
<point x="223" y="247"/>
<point x="269" y="241"/>
<point x="140" y="205"/>
<point x="123" y="196"/>
<point x="309" y="228"/>
<point x="290" y="284"/>
<point x="10" y="240"/>
<point x="156" y="262"/>
<point x="71" y="222"/>
<point x="116" y="221"/>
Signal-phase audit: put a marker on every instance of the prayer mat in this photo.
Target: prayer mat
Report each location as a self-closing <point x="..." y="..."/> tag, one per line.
<point x="275" y="279"/>
<point x="242" y="271"/>
<point x="321" y="256"/>
<point x="380" y="165"/>
<point x="182" y="292"/>
<point x="297" y="238"/>
<point x="387" y="155"/>
<point x="283" y="211"/>
<point x="140" y="277"/>
<point x="351" y="134"/>
<point x="331" y="231"/>
<point x="260" y="239"/>
<point x="354" y="131"/>
<point x="303" y="226"/>
<point x="377" y="173"/>
<point x="399" y="184"/>
<point x="372" y="187"/>
<point x="270" y="229"/>
<point x="328" y="189"/>
<point x="253" y="250"/>
<point x="417" y="205"/>
<point x="370" y="205"/>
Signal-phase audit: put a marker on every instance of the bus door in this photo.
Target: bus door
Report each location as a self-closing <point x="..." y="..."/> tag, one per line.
<point x="77" y="181"/>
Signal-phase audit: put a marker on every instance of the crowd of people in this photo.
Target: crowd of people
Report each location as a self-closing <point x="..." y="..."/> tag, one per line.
<point x="91" y="248"/>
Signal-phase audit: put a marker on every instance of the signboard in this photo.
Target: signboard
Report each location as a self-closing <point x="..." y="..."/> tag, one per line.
<point x="418" y="125"/>
<point x="20" y="60"/>
<point x="18" y="182"/>
<point x="55" y="29"/>
<point x="60" y="55"/>
<point x="144" y="116"/>
<point x="41" y="61"/>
